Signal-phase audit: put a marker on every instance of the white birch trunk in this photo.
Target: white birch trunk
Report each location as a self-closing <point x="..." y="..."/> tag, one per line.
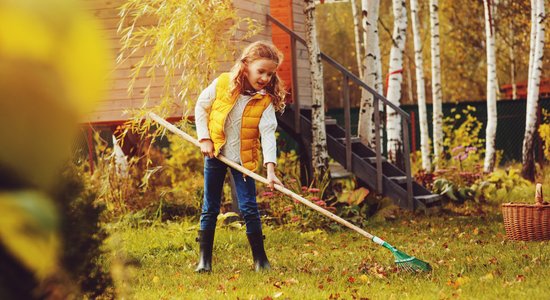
<point x="395" y="74"/>
<point x="532" y="42"/>
<point x="528" y="169"/>
<point x="491" y="130"/>
<point x="379" y="81"/>
<point x="319" y="143"/>
<point x="513" y="61"/>
<point x="371" y="69"/>
<point x="357" y="34"/>
<point x="420" y="88"/>
<point x="437" y="93"/>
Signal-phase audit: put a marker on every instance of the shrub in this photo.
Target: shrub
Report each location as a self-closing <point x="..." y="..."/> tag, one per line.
<point x="544" y="132"/>
<point x="82" y="236"/>
<point x="337" y="196"/>
<point x="165" y="183"/>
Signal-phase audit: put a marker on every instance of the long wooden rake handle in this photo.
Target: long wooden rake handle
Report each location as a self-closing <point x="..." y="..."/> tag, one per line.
<point x="257" y="177"/>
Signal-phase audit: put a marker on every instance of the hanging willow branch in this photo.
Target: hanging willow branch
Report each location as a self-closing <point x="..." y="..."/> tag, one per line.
<point x="179" y="43"/>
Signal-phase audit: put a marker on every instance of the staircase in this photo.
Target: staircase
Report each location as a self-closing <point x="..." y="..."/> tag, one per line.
<point x="367" y="164"/>
<point x="363" y="163"/>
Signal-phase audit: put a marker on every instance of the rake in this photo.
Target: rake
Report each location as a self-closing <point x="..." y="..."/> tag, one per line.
<point x="403" y="261"/>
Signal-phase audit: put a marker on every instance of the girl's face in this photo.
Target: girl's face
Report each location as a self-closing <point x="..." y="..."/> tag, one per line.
<point x="259" y="72"/>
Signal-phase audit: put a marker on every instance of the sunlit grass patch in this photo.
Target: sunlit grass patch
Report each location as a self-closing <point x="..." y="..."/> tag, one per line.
<point x="469" y="255"/>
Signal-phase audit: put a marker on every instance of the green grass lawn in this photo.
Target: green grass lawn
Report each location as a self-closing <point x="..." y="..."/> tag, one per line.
<point x="469" y="254"/>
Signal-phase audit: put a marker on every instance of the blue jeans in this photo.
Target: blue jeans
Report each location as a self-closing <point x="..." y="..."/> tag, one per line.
<point x="214" y="175"/>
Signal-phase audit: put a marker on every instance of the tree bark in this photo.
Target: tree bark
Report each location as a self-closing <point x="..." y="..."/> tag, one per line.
<point x="491" y="130"/>
<point x="371" y="69"/>
<point x="357" y="34"/>
<point x="395" y="78"/>
<point x="319" y="142"/>
<point x="420" y="88"/>
<point x="528" y="169"/>
<point x="437" y="93"/>
<point x="512" y="56"/>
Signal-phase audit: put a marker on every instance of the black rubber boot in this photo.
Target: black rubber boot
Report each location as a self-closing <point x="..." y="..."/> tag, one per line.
<point x="206" y="243"/>
<point x="256" y="241"/>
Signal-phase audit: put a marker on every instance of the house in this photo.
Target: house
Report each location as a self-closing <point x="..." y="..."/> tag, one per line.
<point x="366" y="163"/>
<point x="110" y="112"/>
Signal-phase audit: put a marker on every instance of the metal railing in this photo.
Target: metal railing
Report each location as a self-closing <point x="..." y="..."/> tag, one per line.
<point x="347" y="76"/>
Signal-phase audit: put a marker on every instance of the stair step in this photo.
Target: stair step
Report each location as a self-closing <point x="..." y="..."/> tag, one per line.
<point x="338" y="171"/>
<point x="354" y="139"/>
<point x="399" y="179"/>
<point x="331" y="122"/>
<point x="372" y="159"/>
<point x="428" y="199"/>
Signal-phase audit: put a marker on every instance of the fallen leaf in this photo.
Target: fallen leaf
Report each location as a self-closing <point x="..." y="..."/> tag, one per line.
<point x="364" y="278"/>
<point x="487" y="277"/>
<point x="334" y="296"/>
<point x="291" y="281"/>
<point x="463" y="280"/>
<point x="277" y="295"/>
<point x="520" y="278"/>
<point x="351" y="279"/>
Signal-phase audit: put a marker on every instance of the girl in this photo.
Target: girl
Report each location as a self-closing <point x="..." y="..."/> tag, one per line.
<point x="231" y="114"/>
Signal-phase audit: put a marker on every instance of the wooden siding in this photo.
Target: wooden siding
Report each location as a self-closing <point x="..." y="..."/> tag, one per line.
<point x="304" y="77"/>
<point x="111" y="108"/>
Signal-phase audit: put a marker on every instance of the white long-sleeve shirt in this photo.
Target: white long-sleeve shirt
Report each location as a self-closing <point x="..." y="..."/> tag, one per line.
<point x="232" y="126"/>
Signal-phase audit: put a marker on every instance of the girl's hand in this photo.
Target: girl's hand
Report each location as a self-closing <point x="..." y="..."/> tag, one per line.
<point x="273" y="180"/>
<point x="271" y="177"/>
<point x="207" y="147"/>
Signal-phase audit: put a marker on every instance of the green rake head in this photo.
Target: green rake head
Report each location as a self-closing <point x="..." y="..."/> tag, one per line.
<point x="410" y="264"/>
<point x="405" y="262"/>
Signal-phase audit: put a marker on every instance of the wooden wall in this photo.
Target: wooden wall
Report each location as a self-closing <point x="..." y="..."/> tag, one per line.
<point x="117" y="100"/>
<point x="304" y="75"/>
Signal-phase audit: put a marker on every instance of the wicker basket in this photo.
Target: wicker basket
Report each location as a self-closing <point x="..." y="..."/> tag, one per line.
<point x="527" y="222"/>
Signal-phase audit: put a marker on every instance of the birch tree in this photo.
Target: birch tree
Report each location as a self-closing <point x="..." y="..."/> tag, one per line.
<point x="535" y="67"/>
<point x="395" y="78"/>
<point x="532" y="41"/>
<point x="512" y="55"/>
<point x="437" y="94"/>
<point x="420" y="88"/>
<point x="319" y="143"/>
<point x="357" y="35"/>
<point x="491" y="129"/>
<point x="372" y="73"/>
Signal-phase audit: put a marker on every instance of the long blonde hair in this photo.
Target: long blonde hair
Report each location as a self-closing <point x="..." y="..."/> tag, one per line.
<point x="258" y="50"/>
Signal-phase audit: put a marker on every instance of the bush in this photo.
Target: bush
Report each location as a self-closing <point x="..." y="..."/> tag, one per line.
<point x="82" y="236"/>
<point x="544" y="132"/>
<point x="164" y="183"/>
<point x="337" y="196"/>
<point x="460" y="176"/>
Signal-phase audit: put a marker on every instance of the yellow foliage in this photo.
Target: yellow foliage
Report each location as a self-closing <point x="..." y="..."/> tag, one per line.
<point x="28" y="229"/>
<point x="544" y="132"/>
<point x="185" y="43"/>
<point x="65" y="39"/>
<point x="53" y="64"/>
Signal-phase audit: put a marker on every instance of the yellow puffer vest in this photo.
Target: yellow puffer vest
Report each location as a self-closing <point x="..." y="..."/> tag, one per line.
<point x="250" y="133"/>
